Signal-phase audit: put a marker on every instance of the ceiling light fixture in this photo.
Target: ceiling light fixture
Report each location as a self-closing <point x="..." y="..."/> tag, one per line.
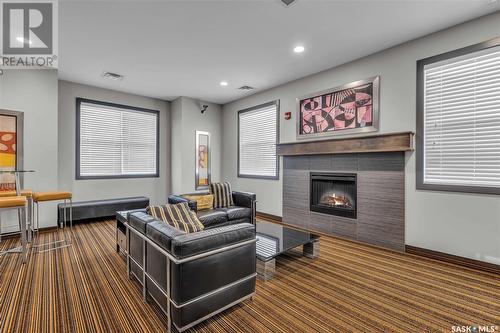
<point x="287" y="2"/>
<point x="223" y="83"/>
<point x="112" y="76"/>
<point x="298" y="49"/>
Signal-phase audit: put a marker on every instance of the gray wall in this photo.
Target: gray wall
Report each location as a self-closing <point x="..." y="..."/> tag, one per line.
<point x="177" y="137"/>
<point x="186" y="119"/>
<point x="439" y="221"/>
<point x="154" y="188"/>
<point x="34" y="92"/>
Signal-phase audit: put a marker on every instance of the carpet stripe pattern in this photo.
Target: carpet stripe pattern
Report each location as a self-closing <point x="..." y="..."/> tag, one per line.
<point x="349" y="288"/>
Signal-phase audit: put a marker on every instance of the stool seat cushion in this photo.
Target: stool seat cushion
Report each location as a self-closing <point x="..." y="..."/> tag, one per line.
<point x="24" y="193"/>
<point x="52" y="195"/>
<point x="8" y="202"/>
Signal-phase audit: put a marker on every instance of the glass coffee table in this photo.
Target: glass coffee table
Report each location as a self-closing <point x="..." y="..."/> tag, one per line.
<point x="274" y="239"/>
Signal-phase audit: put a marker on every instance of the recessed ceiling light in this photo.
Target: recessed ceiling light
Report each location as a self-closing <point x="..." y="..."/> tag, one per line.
<point x="298" y="49"/>
<point x="223" y="83"/>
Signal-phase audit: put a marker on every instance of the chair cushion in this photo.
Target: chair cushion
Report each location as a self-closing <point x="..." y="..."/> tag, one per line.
<point x="7" y="202"/>
<point x="24" y="193"/>
<point x="52" y="195"/>
<point x="235" y="212"/>
<point x="223" y="196"/>
<point x="203" y="202"/>
<point x="178" y="216"/>
<point x="212" y="217"/>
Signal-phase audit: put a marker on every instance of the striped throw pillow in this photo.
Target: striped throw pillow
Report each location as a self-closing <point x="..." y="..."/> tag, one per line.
<point x="223" y="197"/>
<point x="178" y="216"/>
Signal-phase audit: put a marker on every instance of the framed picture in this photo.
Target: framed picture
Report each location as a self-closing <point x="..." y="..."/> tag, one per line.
<point x="351" y="108"/>
<point x="202" y="178"/>
<point x="11" y="129"/>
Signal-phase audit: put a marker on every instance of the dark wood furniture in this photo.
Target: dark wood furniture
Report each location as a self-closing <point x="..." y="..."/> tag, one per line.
<point x="364" y="144"/>
<point x="121" y="232"/>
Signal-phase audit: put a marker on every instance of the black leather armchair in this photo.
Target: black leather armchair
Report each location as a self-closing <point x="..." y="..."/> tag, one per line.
<point x="191" y="276"/>
<point x="243" y="210"/>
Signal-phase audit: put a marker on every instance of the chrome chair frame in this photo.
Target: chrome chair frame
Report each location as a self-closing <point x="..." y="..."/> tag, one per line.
<point x="21" y="215"/>
<point x="67" y="240"/>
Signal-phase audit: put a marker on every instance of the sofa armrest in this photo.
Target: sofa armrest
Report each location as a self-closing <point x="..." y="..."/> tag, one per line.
<point x="188" y="245"/>
<point x="175" y="199"/>
<point x="141" y="210"/>
<point x="139" y="220"/>
<point x="162" y="233"/>
<point x="244" y="199"/>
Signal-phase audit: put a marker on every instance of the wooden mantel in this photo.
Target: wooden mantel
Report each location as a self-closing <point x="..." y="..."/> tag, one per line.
<point x="390" y="142"/>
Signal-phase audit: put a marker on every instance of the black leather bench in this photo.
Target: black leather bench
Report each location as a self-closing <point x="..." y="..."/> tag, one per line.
<point x="94" y="209"/>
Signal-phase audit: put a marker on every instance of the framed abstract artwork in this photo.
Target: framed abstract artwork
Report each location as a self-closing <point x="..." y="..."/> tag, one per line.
<point x="11" y="127"/>
<point x="202" y="177"/>
<point x="351" y="108"/>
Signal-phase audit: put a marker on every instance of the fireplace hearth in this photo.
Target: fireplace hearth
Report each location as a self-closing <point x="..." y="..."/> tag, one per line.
<point x="334" y="193"/>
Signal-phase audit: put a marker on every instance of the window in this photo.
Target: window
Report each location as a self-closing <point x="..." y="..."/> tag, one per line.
<point x="257" y="139"/>
<point x="116" y="141"/>
<point x="458" y="120"/>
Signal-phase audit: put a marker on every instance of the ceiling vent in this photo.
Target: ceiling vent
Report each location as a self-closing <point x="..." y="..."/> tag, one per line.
<point x="287" y="2"/>
<point x="112" y="76"/>
<point x="246" y="88"/>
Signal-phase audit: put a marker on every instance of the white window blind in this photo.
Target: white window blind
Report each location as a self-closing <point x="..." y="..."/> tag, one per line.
<point x="462" y="120"/>
<point x="257" y="142"/>
<point x="116" y="142"/>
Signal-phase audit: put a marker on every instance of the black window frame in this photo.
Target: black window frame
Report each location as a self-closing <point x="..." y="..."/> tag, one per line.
<point x="78" y="176"/>
<point x="277" y="104"/>
<point x="420" y="185"/>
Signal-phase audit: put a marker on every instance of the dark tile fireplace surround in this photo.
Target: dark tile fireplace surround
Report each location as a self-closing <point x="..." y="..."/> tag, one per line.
<point x="360" y="196"/>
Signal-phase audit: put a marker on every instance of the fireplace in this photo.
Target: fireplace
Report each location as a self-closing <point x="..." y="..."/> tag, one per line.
<point x="333" y="193"/>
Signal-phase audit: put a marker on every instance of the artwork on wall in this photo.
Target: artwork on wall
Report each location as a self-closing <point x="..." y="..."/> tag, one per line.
<point x="8" y="150"/>
<point x="202" y="178"/>
<point x="351" y="108"/>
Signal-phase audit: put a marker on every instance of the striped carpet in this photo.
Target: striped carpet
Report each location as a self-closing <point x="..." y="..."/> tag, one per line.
<point x="349" y="288"/>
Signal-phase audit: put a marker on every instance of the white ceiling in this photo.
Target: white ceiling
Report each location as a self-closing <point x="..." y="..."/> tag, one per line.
<point x="167" y="49"/>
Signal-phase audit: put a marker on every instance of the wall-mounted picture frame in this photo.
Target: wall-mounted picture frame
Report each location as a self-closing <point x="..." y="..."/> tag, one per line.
<point x="347" y="109"/>
<point x="203" y="160"/>
<point x="11" y="147"/>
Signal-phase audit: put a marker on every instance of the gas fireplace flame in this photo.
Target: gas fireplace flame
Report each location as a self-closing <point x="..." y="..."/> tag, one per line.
<point x="336" y="201"/>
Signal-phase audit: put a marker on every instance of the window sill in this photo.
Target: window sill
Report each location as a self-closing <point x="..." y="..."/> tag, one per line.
<point x="458" y="188"/>
<point x="116" y="177"/>
<point x="260" y="177"/>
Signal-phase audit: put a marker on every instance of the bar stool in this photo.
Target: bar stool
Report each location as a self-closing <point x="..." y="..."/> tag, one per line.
<point x="29" y="198"/>
<point x="19" y="203"/>
<point x="39" y="197"/>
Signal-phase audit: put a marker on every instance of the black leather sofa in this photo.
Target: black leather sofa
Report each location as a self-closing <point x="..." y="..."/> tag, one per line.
<point x="243" y="210"/>
<point x="206" y="272"/>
